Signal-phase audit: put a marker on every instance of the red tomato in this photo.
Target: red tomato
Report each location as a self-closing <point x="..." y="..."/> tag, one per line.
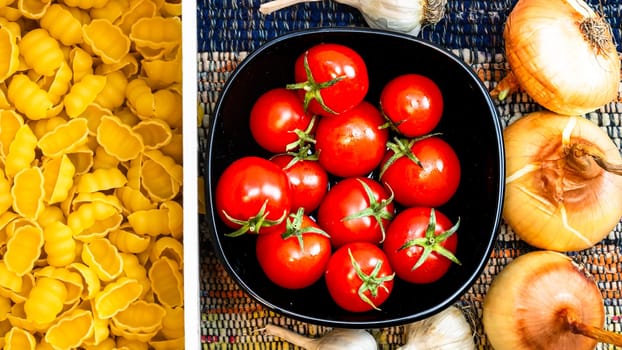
<point x="275" y="117"/>
<point x="352" y="144"/>
<point x="359" y="277"/>
<point x="356" y="209"/>
<point x="336" y="79"/>
<point x="420" y="244"/>
<point x="252" y="194"/>
<point x="413" y="103"/>
<point x="432" y="182"/>
<point x="307" y="179"/>
<point x="295" y="257"/>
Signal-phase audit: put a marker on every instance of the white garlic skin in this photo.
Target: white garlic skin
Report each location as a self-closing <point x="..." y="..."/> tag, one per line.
<point x="447" y="330"/>
<point x="344" y="339"/>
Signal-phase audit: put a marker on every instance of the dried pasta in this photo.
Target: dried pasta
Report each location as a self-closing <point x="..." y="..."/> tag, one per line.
<point x="58" y="175"/>
<point x="41" y="51"/>
<point x="167" y="282"/>
<point x="28" y="98"/>
<point x="23" y="249"/>
<point x="116" y="297"/>
<point x="104" y="258"/>
<point x="59" y="246"/>
<point x="118" y="139"/>
<point x="28" y="192"/>
<point x="46" y="300"/>
<point x="83" y="93"/>
<point x="106" y="40"/>
<point x="62" y="25"/>
<point x="19" y="339"/>
<point x="65" y="137"/>
<point x="9" y="53"/>
<point x="71" y="330"/>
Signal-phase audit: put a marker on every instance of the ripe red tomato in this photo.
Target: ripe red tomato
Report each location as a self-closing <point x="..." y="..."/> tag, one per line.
<point x="413" y="103"/>
<point x="274" y="118"/>
<point x="297" y="256"/>
<point x="307" y="179"/>
<point x="359" y="277"/>
<point x="331" y="78"/>
<point x="356" y="209"/>
<point x="352" y="144"/>
<point x="420" y="244"/>
<point x="252" y="194"/>
<point x="432" y="182"/>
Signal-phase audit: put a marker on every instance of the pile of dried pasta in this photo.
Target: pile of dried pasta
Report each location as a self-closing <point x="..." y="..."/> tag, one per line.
<point x="91" y="181"/>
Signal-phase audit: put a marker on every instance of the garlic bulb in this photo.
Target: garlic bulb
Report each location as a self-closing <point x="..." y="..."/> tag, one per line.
<point x="335" y="339"/>
<point x="406" y="16"/>
<point x="447" y="330"/>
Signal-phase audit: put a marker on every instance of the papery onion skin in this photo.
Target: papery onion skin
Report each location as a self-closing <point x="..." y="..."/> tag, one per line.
<point x="554" y="62"/>
<point x="525" y="301"/>
<point x="554" y="206"/>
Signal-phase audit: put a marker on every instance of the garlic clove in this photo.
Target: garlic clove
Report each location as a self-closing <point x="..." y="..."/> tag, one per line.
<point x="447" y="330"/>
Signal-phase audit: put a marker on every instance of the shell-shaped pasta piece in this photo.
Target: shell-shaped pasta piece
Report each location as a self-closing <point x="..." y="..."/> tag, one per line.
<point x="43" y="126"/>
<point x="135" y="269"/>
<point x="21" y="151"/>
<point x="28" y="282"/>
<point x="27" y="192"/>
<point x="133" y="199"/>
<point x="138" y="10"/>
<point x="140" y="317"/>
<point x="92" y="220"/>
<point x="81" y="63"/>
<point x="116" y="297"/>
<point x="131" y="344"/>
<point x="106" y="40"/>
<point x="151" y="222"/>
<point x="99" y="339"/>
<point x="126" y="116"/>
<point x="10" y="13"/>
<point x="173" y="323"/>
<point x="33" y="9"/>
<point x="113" y="94"/>
<point x="19" y="339"/>
<point x="125" y="334"/>
<point x="161" y="176"/>
<point x="70" y="330"/>
<point x="140" y="98"/>
<point x="128" y="241"/>
<point x="112" y="11"/>
<point x="58" y="176"/>
<point x="168" y="344"/>
<point x="46" y="300"/>
<point x="154" y="132"/>
<point x="9" y="280"/>
<point x="104" y="258"/>
<point x="41" y="51"/>
<point x="71" y="279"/>
<point x="100" y="197"/>
<point x="18" y="318"/>
<point x="62" y="25"/>
<point x="86" y="4"/>
<point x="23" y="249"/>
<point x="50" y="214"/>
<point x="118" y="139"/>
<point x="6" y="199"/>
<point x="9" y="53"/>
<point x="82" y="159"/>
<point x="59" y="246"/>
<point x="83" y="93"/>
<point x="175" y="170"/>
<point x="93" y="114"/>
<point x="168" y="247"/>
<point x="10" y="122"/>
<point x="60" y="83"/>
<point x="5" y="307"/>
<point x="167" y="282"/>
<point x="92" y="284"/>
<point x="28" y="98"/>
<point x="175" y="218"/>
<point x="157" y="33"/>
<point x="162" y="72"/>
<point x="171" y="9"/>
<point x="168" y="107"/>
<point x="101" y="180"/>
<point x="103" y="159"/>
<point x="128" y="65"/>
<point x="64" y="137"/>
<point x="133" y="173"/>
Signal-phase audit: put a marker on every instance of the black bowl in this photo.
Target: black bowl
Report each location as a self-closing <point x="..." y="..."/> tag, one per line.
<point x="469" y="123"/>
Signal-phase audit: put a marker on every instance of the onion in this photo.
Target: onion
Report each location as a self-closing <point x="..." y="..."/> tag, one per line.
<point x="543" y="300"/>
<point x="563" y="181"/>
<point x="406" y="16"/>
<point x="562" y="54"/>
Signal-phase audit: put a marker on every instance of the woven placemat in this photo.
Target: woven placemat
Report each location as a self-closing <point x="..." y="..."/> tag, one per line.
<point x="229" y="30"/>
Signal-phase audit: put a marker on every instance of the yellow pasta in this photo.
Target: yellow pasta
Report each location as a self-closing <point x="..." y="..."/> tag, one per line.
<point x="93" y="220"/>
<point x="118" y="139"/>
<point x="135" y="269"/>
<point x="6" y="199"/>
<point x="155" y="133"/>
<point x="106" y="344"/>
<point x="60" y="83"/>
<point x="140" y="98"/>
<point x="71" y="279"/>
<point x="19" y="339"/>
<point x="33" y="9"/>
<point x="9" y="53"/>
<point x="62" y="25"/>
<point x="167" y="282"/>
<point x="168" y="344"/>
<point x="28" y="98"/>
<point x="81" y="63"/>
<point x="128" y="65"/>
<point x="168" y="247"/>
<point x="133" y="199"/>
<point x="134" y="173"/>
<point x="113" y="94"/>
<point x="161" y="176"/>
<point x="126" y="116"/>
<point x="23" y="249"/>
<point x="40" y="51"/>
<point x="104" y="160"/>
<point x="104" y="258"/>
<point x="100" y="335"/>
<point x="101" y="180"/>
<point x="100" y="197"/>
<point x="173" y="323"/>
<point x="156" y="33"/>
<point x="28" y="281"/>
<point x="163" y="72"/>
<point x="10" y="13"/>
<point x="71" y="330"/>
<point x="140" y="317"/>
<point x="168" y="107"/>
<point x="9" y="280"/>
<point x="174" y="148"/>
<point x="92" y="284"/>
<point x="49" y="215"/>
<point x="139" y="9"/>
<point x="59" y="246"/>
<point x="64" y="138"/>
<point x="27" y="192"/>
<point x="21" y="152"/>
<point x="113" y="10"/>
<point x="171" y="9"/>
<point x="58" y="176"/>
<point x="175" y="218"/>
<point x="106" y="40"/>
<point x="116" y="297"/>
<point x="83" y="93"/>
<point x="129" y="242"/>
<point x="151" y="222"/>
<point x="43" y="126"/>
<point x="85" y="4"/>
<point x="10" y="122"/>
<point x="129" y="344"/>
<point x="45" y="301"/>
<point x="82" y="159"/>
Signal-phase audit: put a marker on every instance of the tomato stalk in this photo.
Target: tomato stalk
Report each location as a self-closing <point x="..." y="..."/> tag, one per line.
<point x="312" y="88"/>
<point x="377" y="209"/>
<point x="371" y="282"/>
<point x="402" y="148"/>
<point x="432" y="242"/>
<point x="305" y="137"/>
<point x="293" y="228"/>
<point x="254" y="223"/>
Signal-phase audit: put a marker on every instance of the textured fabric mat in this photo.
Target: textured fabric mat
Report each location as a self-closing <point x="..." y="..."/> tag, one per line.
<point x="229" y="30"/>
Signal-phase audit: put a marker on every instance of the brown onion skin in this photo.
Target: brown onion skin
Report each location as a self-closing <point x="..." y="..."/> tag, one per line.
<point x="522" y="308"/>
<point x="534" y="203"/>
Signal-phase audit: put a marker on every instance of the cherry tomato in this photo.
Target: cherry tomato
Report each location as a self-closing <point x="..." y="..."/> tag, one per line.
<point x="413" y="103"/>
<point x="252" y="194"/>
<point x="331" y="78"/>
<point x="274" y="119"/>
<point x="307" y="179"/>
<point x="359" y="277"/>
<point x="430" y="183"/>
<point x="352" y="144"/>
<point x="420" y="244"/>
<point x="295" y="257"/>
<point x="356" y="209"/>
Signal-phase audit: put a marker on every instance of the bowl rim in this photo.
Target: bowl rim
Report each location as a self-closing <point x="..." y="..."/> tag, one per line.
<point x="391" y="321"/>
